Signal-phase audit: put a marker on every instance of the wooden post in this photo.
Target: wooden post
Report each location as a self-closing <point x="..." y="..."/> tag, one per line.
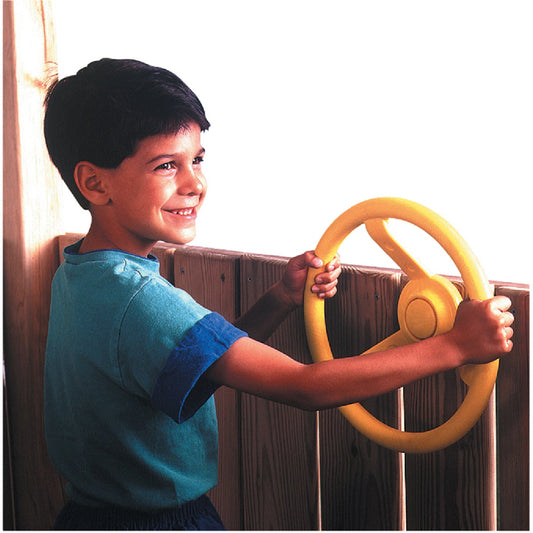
<point x="31" y="219"/>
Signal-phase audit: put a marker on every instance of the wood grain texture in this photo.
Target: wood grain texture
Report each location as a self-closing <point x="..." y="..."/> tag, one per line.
<point x="32" y="218"/>
<point x="452" y="489"/>
<point x="361" y="482"/>
<point x="279" y="443"/>
<point x="512" y="408"/>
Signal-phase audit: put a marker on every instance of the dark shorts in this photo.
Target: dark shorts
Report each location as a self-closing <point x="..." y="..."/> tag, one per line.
<point x="198" y="515"/>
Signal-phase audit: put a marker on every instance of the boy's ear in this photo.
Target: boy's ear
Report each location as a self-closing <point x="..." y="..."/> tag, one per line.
<point x="91" y="183"/>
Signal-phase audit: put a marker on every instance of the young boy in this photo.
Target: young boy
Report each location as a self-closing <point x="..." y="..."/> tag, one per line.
<point x="132" y="362"/>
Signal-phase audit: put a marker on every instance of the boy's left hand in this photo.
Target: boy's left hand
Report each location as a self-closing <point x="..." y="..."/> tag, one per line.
<point x="295" y="275"/>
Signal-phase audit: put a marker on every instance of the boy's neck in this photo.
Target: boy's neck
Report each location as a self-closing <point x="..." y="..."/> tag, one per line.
<point x="97" y="239"/>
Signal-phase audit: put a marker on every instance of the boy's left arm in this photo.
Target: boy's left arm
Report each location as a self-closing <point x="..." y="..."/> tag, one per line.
<point x="272" y="308"/>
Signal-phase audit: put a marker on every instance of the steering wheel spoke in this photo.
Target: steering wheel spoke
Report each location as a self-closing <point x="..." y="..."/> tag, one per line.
<point x="392" y="341"/>
<point x="378" y="229"/>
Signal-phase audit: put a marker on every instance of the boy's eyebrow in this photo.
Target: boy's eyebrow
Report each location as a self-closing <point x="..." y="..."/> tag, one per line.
<point x="172" y="156"/>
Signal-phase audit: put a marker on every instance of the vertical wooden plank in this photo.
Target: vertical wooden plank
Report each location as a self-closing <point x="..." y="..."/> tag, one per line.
<point x="165" y="254"/>
<point x="361" y="482"/>
<point x="211" y="278"/>
<point x="454" y="488"/>
<point x="32" y="217"/>
<point x="512" y="407"/>
<point x="279" y="443"/>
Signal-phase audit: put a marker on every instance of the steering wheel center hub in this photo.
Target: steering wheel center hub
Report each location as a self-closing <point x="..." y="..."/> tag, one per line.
<point x="427" y="307"/>
<point x="420" y="318"/>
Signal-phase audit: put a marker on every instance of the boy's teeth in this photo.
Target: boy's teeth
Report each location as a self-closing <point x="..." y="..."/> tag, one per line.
<point x="183" y="211"/>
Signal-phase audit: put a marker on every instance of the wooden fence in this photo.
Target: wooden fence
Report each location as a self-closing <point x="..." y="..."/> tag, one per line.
<point x="282" y="468"/>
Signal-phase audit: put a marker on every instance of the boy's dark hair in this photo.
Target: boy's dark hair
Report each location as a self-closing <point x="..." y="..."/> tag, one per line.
<point x="101" y="114"/>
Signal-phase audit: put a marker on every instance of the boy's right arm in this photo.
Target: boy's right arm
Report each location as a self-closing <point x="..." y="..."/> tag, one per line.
<point x="481" y="333"/>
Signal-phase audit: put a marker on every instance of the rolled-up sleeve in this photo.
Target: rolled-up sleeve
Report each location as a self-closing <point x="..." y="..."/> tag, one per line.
<point x="179" y="390"/>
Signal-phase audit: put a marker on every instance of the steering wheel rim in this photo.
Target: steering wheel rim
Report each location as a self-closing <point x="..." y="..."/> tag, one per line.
<point x="480" y="378"/>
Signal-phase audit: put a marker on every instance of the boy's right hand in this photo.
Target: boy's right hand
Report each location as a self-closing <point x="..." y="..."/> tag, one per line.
<point x="482" y="329"/>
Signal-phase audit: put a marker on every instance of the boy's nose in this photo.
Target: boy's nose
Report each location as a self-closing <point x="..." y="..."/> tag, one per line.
<point x="190" y="184"/>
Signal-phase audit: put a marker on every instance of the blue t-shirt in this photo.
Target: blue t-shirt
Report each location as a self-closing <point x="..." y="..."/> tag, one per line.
<point x="130" y="421"/>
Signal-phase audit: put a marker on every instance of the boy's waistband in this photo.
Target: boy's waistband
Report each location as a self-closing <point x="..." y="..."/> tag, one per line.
<point x="198" y="514"/>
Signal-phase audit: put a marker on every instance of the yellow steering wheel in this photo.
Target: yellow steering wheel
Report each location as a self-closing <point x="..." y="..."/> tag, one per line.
<point x="426" y="307"/>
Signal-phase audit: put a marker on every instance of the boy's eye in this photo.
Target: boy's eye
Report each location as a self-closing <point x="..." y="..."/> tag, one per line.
<point x="198" y="160"/>
<point x="169" y="165"/>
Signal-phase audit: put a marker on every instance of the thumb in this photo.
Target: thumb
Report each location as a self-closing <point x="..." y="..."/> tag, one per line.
<point x="310" y="259"/>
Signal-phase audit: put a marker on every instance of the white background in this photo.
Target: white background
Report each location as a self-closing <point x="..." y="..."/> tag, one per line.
<point x="316" y="106"/>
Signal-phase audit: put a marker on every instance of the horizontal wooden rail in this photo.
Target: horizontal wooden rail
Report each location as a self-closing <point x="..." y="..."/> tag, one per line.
<point x="281" y="468"/>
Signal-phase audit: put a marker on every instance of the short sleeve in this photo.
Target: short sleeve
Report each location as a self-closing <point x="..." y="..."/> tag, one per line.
<point x="166" y="343"/>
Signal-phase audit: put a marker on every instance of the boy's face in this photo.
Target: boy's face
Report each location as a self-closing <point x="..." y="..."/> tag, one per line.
<point x="156" y="193"/>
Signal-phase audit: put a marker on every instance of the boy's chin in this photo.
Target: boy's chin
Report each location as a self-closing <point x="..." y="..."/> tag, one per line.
<point x="185" y="238"/>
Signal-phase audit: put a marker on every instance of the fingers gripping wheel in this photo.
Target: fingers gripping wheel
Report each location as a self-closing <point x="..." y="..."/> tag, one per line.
<point x="426" y="307"/>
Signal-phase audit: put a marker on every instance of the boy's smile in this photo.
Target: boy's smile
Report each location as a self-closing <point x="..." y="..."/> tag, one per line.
<point x="153" y="195"/>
